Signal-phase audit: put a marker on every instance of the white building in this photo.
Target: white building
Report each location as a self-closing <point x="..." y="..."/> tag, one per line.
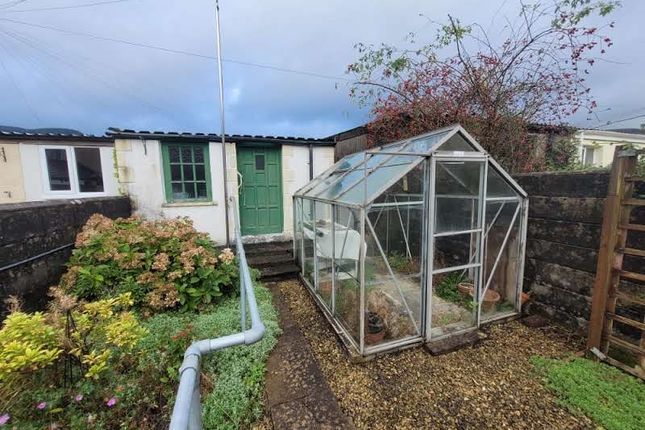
<point x="44" y="166"/>
<point x="596" y="147"/>
<point x="182" y="174"/>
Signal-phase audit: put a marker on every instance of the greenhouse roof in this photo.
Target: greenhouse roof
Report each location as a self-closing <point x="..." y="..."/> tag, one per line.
<point x="359" y="178"/>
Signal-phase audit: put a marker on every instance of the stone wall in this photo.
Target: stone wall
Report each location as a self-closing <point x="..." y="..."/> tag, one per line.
<point x="30" y="229"/>
<point x="564" y="227"/>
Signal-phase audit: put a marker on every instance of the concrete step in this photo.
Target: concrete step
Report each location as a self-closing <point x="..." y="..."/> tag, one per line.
<point x="279" y="272"/>
<point x="252" y="249"/>
<point x="263" y="260"/>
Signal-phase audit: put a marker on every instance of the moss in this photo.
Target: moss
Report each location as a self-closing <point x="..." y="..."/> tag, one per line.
<point x="611" y="398"/>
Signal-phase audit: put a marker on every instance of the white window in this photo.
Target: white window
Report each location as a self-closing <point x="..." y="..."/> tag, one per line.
<point x="588" y="155"/>
<point x="72" y="170"/>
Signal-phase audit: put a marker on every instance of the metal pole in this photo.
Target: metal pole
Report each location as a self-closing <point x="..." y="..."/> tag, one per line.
<point x="222" y="123"/>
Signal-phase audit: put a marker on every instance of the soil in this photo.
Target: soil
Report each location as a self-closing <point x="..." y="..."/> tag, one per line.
<point x="491" y="385"/>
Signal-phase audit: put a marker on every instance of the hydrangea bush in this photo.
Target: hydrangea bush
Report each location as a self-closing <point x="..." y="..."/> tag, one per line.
<point x="163" y="264"/>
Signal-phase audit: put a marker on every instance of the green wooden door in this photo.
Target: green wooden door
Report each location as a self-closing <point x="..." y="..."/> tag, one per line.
<point x="260" y="190"/>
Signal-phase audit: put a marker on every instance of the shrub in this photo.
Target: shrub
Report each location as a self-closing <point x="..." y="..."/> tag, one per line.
<point x="60" y="365"/>
<point x="163" y="264"/>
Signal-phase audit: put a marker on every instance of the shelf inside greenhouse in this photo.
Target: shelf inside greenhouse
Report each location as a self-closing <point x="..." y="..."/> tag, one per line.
<point x="412" y="242"/>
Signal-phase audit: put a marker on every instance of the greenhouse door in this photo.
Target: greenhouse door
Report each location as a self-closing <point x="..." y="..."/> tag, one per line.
<point x="260" y="190"/>
<point x="455" y="246"/>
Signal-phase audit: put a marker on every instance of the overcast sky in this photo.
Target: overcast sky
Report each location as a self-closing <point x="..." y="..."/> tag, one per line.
<point x="53" y="73"/>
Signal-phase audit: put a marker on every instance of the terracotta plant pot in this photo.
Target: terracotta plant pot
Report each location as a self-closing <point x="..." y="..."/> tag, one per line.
<point x="489" y="303"/>
<point x="466" y="288"/>
<point x="325" y="288"/>
<point x="375" y="328"/>
<point x="524" y="298"/>
<point x="491" y="297"/>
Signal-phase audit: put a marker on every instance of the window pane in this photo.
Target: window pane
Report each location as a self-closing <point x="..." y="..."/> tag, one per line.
<point x="190" y="190"/>
<point x="456" y="143"/>
<point x="200" y="172"/>
<point x="199" y="154"/>
<point x="188" y="172"/>
<point x="186" y="155"/>
<point x="57" y="170"/>
<point x="88" y="168"/>
<point x="175" y="172"/>
<point x="201" y="190"/>
<point x="496" y="186"/>
<point x="173" y="154"/>
<point x="177" y="191"/>
<point x="259" y="161"/>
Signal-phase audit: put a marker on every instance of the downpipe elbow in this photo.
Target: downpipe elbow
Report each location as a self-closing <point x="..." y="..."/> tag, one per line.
<point x="254" y="334"/>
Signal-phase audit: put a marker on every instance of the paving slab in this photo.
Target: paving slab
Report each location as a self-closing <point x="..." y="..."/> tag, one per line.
<point x="297" y="394"/>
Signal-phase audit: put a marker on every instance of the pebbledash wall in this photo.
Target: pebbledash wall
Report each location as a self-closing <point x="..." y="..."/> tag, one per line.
<point x="564" y="227"/>
<point x="140" y="176"/>
<point x="30" y="229"/>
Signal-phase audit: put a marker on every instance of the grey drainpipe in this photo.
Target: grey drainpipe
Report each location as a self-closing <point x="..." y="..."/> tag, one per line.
<point x="311" y="161"/>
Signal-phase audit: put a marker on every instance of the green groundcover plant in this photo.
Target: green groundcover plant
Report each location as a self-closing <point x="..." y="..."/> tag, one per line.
<point x="611" y="398"/>
<point x="103" y="356"/>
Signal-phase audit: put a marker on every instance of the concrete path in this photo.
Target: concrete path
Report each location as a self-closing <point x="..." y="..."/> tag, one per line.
<point x="297" y="393"/>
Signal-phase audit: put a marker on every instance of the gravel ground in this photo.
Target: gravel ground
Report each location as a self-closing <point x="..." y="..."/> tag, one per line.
<point x="491" y="385"/>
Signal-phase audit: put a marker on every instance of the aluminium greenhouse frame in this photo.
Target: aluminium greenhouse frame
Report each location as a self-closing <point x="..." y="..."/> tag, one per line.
<point x="332" y="214"/>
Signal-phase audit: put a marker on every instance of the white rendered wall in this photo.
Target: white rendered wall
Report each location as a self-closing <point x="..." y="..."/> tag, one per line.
<point x="34" y="173"/>
<point x="295" y="175"/>
<point x="141" y="177"/>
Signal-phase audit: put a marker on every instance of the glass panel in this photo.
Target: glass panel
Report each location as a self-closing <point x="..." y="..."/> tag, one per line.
<point x="455" y="250"/>
<point x="425" y="144"/>
<point x="393" y="276"/>
<point x="347" y="266"/>
<point x="200" y="172"/>
<point x="457" y="143"/>
<point x="173" y="154"/>
<point x="496" y="186"/>
<point x="378" y="180"/>
<point x="175" y="172"/>
<point x="186" y="155"/>
<point x="324" y="250"/>
<point x="456" y="214"/>
<point x="308" y="241"/>
<point x="259" y="161"/>
<point x="457" y="190"/>
<point x="189" y="188"/>
<point x="502" y="291"/>
<point x="57" y="169"/>
<point x="201" y="190"/>
<point x="177" y="191"/>
<point x="199" y="154"/>
<point x="332" y="189"/>
<point x="188" y="172"/>
<point x="453" y="307"/>
<point x="88" y="169"/>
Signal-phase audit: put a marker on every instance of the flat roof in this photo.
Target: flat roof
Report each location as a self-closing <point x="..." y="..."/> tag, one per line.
<point x="118" y="133"/>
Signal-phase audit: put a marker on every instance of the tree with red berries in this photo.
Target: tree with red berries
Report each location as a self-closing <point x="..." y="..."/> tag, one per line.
<point x="534" y="74"/>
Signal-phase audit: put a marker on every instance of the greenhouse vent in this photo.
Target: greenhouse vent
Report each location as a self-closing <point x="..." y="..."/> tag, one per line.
<point x="412" y="242"/>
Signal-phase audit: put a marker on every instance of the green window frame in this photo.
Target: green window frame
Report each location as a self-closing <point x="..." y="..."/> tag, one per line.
<point x="186" y="171"/>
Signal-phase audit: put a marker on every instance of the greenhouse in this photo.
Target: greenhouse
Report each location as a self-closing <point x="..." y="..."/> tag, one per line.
<point x="412" y="242"/>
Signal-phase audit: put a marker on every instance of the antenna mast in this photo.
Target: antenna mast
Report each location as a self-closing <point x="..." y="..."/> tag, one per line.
<point x="222" y="121"/>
